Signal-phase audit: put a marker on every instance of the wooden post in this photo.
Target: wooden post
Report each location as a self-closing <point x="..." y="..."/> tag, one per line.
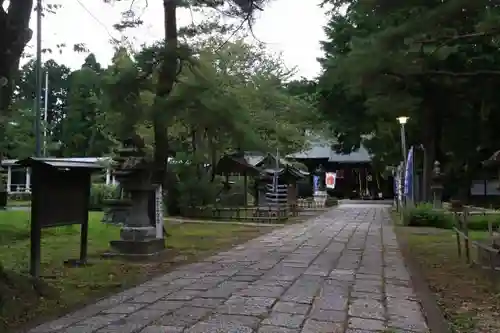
<point x="245" y="189"/>
<point x="492" y="270"/>
<point x="457" y="232"/>
<point x="459" y="247"/>
<point x="84" y="229"/>
<point x="466" y="233"/>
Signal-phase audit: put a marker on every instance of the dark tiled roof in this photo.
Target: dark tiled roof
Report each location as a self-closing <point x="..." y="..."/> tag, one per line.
<point x="322" y="149"/>
<point x="235" y="163"/>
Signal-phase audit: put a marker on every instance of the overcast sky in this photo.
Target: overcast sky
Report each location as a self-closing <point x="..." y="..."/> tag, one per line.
<point x="291" y="27"/>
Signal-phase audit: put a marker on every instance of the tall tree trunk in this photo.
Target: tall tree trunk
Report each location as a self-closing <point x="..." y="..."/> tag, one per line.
<point x="213" y="155"/>
<point x="428" y="140"/>
<point x="431" y="133"/>
<point x="195" y="143"/>
<point x="14" y="35"/>
<point x="161" y="116"/>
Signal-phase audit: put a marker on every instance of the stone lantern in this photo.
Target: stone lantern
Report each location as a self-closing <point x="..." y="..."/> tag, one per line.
<point x="138" y="234"/>
<point x="437" y="186"/>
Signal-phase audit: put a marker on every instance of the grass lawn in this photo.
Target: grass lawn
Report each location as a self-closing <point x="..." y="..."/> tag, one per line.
<point x="464" y="293"/>
<point x="76" y="286"/>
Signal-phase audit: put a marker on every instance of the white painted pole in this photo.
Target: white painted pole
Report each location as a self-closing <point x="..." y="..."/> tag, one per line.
<point x="45" y="113"/>
<point x="277" y="177"/>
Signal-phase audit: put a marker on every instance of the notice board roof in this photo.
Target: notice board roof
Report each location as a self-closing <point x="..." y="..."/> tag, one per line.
<point x="61" y="163"/>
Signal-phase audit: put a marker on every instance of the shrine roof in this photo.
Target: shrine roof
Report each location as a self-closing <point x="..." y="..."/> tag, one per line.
<point x="322" y="149"/>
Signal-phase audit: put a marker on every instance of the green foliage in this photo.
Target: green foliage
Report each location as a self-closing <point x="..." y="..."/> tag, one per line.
<point x="214" y="97"/>
<point x="85" y="128"/>
<point x="434" y="61"/>
<point x="235" y="195"/>
<point x="214" y="109"/>
<point x="99" y="193"/>
<point x="424" y="215"/>
<point x="481" y="222"/>
<point x="19" y="132"/>
<point x="196" y="189"/>
<point x="228" y="95"/>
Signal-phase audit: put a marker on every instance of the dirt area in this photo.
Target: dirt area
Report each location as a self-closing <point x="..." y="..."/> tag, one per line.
<point x="465" y="294"/>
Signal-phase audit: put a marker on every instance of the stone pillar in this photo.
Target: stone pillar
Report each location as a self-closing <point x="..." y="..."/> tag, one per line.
<point x="28" y="180"/>
<point x="9" y="178"/>
<point x="108" y="176"/>
<point x="159" y="212"/>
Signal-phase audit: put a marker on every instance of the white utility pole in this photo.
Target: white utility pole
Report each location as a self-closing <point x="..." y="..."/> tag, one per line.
<point x="45" y="112"/>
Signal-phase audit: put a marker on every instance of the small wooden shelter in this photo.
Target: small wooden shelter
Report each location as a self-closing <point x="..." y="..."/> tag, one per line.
<point x="237" y="164"/>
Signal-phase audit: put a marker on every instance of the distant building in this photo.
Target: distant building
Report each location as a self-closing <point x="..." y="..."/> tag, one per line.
<point x="19" y="178"/>
<point x="355" y="177"/>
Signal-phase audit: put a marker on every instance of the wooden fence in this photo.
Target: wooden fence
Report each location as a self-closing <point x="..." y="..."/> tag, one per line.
<point x="265" y="213"/>
<point x="309" y="203"/>
<point x="487" y="257"/>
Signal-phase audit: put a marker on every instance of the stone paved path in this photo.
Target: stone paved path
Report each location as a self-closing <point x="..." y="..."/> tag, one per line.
<point x="341" y="272"/>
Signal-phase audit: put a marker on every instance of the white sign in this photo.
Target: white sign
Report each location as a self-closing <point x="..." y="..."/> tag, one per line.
<point x="159" y="211"/>
<point x="330" y="180"/>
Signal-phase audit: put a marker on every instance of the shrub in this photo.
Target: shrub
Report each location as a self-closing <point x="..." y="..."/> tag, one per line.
<point x="424" y="215"/>
<point x="99" y="193"/>
<point x="194" y="192"/>
<point x="480" y="222"/>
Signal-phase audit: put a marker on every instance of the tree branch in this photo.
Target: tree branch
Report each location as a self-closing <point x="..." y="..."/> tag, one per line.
<point x="463" y="74"/>
<point x="477" y="73"/>
<point x="449" y="39"/>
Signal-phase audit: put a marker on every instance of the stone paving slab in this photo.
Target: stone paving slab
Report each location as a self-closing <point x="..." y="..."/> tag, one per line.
<point x="341" y="272"/>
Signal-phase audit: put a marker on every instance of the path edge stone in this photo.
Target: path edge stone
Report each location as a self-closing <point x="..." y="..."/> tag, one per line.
<point x="432" y="312"/>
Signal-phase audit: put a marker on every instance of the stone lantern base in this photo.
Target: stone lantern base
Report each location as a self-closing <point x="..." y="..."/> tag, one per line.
<point x="136" y="249"/>
<point x="137" y="243"/>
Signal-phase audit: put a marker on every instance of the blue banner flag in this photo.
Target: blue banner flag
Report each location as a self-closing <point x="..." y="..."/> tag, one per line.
<point x="409" y="175"/>
<point x="315" y="183"/>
